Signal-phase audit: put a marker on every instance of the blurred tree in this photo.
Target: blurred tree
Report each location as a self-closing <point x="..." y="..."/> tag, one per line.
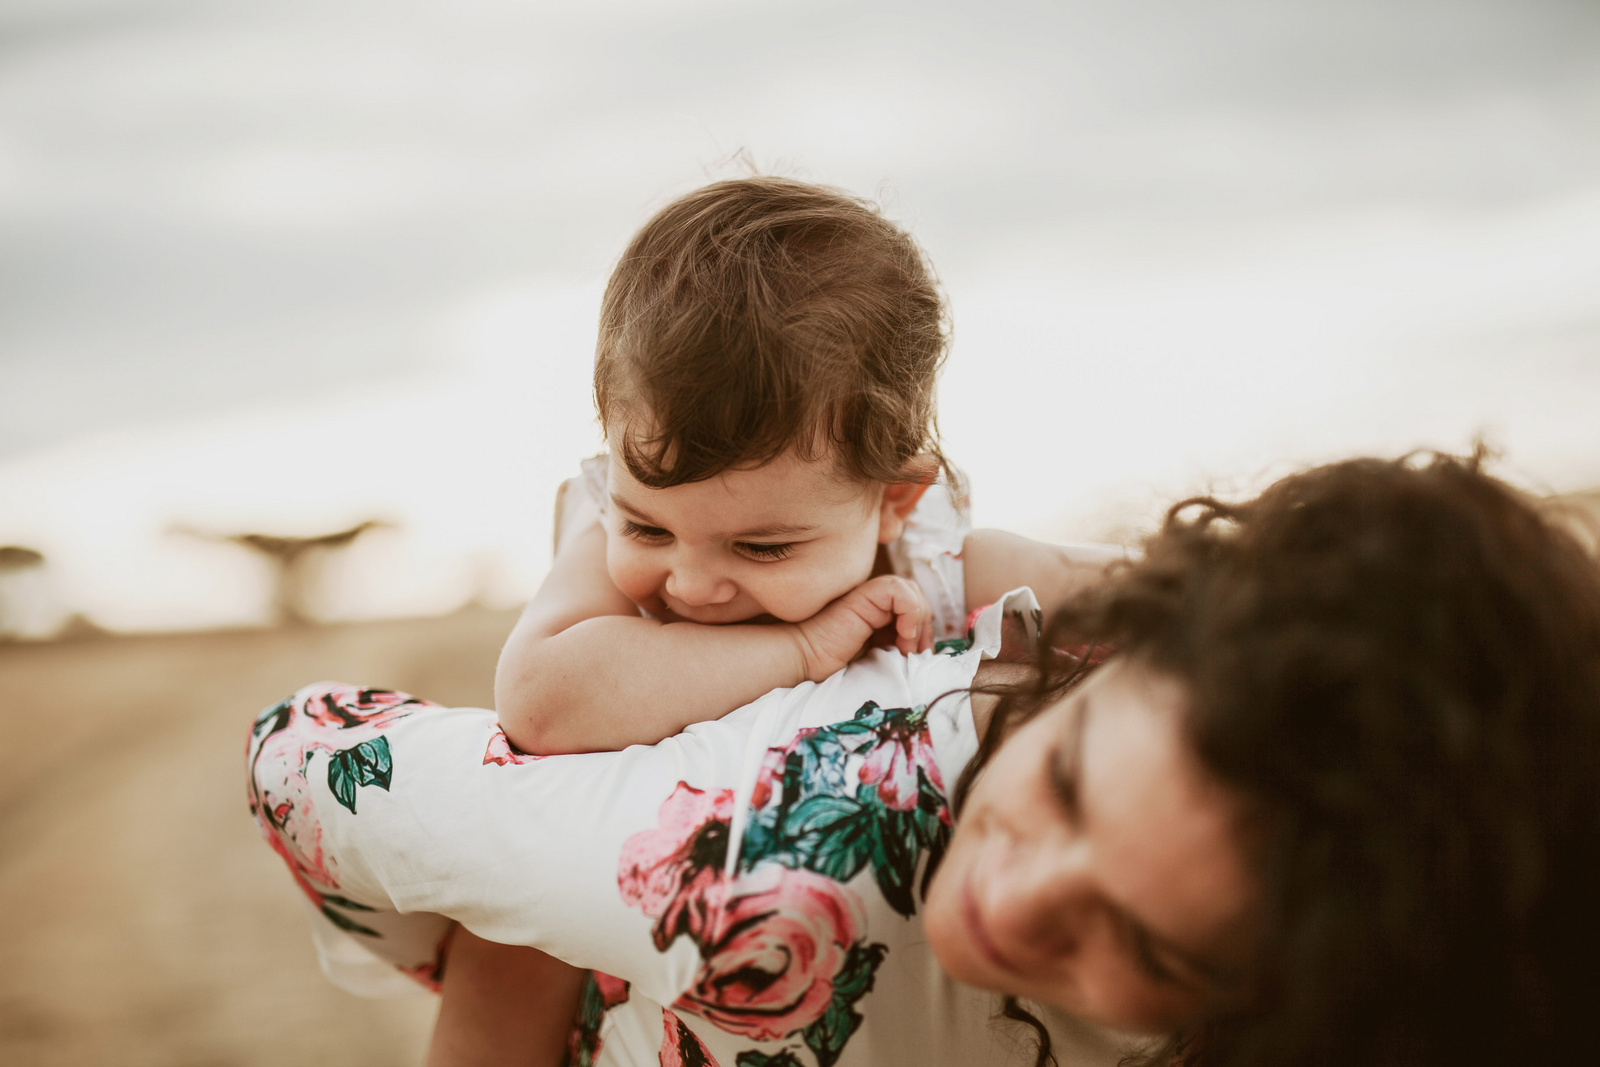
<point x="296" y="564"/>
<point x="21" y="592"/>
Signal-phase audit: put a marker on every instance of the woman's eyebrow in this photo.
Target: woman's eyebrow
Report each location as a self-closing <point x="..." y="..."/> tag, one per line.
<point x="1066" y="762"/>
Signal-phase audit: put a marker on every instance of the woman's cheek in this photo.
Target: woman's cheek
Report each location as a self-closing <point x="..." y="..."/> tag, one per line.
<point x="1125" y="998"/>
<point x="943" y="924"/>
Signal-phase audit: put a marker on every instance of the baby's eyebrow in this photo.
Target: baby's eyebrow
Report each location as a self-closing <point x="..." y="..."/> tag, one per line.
<point x="633" y="511"/>
<point x="777" y="529"/>
<point x="774" y="529"/>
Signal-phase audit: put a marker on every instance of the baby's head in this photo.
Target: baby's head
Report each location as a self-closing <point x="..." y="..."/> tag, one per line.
<point x="765" y="376"/>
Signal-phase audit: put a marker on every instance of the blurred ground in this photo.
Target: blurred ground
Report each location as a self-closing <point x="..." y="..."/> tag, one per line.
<point x="146" y="923"/>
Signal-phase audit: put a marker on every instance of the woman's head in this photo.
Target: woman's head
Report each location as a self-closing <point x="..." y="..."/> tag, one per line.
<point x="1373" y="695"/>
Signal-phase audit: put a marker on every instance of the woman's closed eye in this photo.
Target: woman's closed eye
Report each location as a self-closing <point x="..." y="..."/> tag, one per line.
<point x="765" y="551"/>
<point x="1145" y="953"/>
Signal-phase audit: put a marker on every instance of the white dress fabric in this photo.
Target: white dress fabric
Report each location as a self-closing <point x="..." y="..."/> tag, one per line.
<point x="747" y="892"/>
<point x="928" y="552"/>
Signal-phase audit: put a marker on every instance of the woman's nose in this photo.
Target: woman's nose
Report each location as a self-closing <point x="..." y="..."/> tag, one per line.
<point x="694" y="584"/>
<point x="1044" y="900"/>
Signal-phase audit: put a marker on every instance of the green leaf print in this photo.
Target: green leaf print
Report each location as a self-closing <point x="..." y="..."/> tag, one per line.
<point x="757" y="1058"/>
<point x="894" y="859"/>
<point x="344" y="922"/>
<point x="855" y="978"/>
<point x="830" y="835"/>
<point x="825" y="822"/>
<point x="827" y="1036"/>
<point x="368" y="763"/>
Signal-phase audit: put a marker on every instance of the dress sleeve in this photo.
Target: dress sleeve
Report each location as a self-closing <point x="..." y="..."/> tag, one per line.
<point x="393" y="813"/>
<point x="929" y="553"/>
<point x="593" y="481"/>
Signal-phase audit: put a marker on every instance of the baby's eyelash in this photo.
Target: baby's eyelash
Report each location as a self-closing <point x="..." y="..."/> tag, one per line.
<point x="648" y="533"/>
<point x="766" y="551"/>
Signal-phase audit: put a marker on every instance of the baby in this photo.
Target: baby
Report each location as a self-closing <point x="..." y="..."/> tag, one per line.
<point x="773" y="500"/>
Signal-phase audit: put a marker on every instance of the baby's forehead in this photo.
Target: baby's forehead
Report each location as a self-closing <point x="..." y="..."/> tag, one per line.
<point x="790" y="483"/>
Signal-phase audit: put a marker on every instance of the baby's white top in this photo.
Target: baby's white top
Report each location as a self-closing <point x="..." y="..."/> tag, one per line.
<point x="928" y="552"/>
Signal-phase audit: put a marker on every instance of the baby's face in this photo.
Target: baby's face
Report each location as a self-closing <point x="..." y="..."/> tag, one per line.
<point x="773" y="542"/>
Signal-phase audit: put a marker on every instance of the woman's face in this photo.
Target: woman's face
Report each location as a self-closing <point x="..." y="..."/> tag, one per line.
<point x="1096" y="866"/>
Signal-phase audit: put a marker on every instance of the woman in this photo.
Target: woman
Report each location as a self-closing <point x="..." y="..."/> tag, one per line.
<point x="1375" y="691"/>
<point x="1332" y="800"/>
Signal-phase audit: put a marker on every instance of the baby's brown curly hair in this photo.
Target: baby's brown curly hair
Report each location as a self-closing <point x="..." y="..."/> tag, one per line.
<point x="760" y="315"/>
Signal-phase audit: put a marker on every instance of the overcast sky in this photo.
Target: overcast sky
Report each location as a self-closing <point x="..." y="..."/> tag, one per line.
<point x="1181" y="240"/>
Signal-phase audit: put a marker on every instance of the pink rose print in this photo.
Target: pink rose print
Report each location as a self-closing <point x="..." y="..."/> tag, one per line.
<point x="769" y="779"/>
<point x="345" y="723"/>
<point x="783" y="940"/>
<point x="775" y="941"/>
<point x="892" y="766"/>
<point x="334" y="705"/>
<point x="323" y="717"/>
<point x="601" y="992"/>
<point x="430" y="973"/>
<point x="691" y="837"/>
<point x="679" y="1045"/>
<point x="503" y="752"/>
<point x="613" y="990"/>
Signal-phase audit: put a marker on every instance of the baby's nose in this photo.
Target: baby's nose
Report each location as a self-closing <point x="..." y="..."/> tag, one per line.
<point x="698" y="587"/>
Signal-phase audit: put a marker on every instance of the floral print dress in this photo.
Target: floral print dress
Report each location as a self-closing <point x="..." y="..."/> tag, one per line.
<point x="747" y="893"/>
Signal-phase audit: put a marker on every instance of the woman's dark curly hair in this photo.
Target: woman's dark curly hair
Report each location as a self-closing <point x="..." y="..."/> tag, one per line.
<point x="1397" y="666"/>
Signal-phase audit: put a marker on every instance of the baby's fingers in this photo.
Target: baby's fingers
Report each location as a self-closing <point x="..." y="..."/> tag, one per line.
<point x="913" y="619"/>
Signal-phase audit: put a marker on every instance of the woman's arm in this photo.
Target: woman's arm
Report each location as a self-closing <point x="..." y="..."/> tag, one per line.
<point x="996" y="562"/>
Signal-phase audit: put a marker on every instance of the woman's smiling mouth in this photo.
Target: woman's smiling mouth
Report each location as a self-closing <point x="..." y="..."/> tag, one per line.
<point x="974" y="924"/>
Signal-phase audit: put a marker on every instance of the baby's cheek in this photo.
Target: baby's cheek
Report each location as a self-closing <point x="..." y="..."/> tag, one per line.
<point x="631" y="575"/>
<point x="797" y="599"/>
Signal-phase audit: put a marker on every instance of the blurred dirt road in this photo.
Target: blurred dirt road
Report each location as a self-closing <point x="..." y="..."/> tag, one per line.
<point x="144" y="919"/>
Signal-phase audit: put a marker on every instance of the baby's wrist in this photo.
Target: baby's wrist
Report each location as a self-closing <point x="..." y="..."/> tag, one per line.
<point x="806" y="665"/>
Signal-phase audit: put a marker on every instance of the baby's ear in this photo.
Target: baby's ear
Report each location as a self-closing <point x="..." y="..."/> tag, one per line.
<point x="900" y="498"/>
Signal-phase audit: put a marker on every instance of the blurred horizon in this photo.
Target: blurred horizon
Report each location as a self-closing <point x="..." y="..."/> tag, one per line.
<point x="281" y="271"/>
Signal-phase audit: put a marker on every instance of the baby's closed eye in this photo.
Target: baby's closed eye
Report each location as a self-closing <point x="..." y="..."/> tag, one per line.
<point x="643" y="533"/>
<point x="766" y="551"/>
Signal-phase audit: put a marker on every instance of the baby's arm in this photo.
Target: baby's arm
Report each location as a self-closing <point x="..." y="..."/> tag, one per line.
<point x="996" y="562"/>
<point x="583" y="671"/>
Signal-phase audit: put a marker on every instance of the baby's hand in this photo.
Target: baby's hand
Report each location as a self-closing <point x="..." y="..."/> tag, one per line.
<point x="836" y="635"/>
